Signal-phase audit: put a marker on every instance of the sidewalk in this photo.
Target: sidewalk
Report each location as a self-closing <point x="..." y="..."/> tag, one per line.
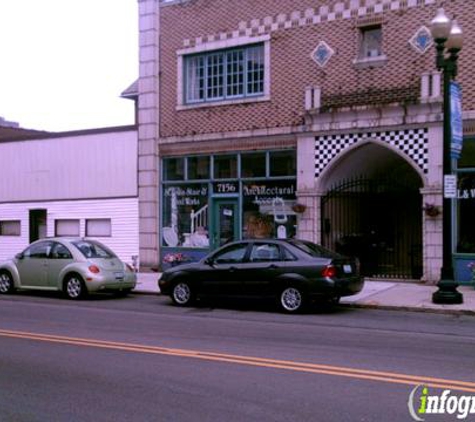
<point x="375" y="294"/>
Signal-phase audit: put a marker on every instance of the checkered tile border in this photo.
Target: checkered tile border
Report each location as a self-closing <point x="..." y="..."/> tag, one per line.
<point x="413" y="142"/>
<point x="336" y="10"/>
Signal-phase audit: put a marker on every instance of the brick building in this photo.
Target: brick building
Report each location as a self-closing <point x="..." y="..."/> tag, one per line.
<point x="316" y="119"/>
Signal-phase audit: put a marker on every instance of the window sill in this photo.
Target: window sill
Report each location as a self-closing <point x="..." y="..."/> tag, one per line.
<point x="370" y="62"/>
<point x="223" y="103"/>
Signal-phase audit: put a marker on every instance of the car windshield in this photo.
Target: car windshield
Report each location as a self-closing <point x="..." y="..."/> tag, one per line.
<point x="92" y="249"/>
<point x="313" y="249"/>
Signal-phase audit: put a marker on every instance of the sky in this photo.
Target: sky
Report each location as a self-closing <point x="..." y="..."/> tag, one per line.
<point x="64" y="63"/>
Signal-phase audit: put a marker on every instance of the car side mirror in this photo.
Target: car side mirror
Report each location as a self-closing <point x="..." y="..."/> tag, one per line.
<point x="19" y="255"/>
<point x="209" y="262"/>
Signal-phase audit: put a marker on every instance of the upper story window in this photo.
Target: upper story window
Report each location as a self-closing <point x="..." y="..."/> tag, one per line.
<point x="224" y="74"/>
<point x="370" y="53"/>
<point x="371" y="42"/>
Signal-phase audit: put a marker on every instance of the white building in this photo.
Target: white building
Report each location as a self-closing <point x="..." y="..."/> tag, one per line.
<point x="81" y="183"/>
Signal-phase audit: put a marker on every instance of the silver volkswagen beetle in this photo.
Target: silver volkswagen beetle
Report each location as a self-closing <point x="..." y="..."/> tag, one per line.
<point x="73" y="266"/>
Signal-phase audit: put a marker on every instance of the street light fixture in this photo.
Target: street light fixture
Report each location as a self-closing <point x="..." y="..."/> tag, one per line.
<point x="448" y="39"/>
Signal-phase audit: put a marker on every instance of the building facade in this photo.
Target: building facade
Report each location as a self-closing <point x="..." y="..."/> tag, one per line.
<point x="315" y="119"/>
<point x="81" y="183"/>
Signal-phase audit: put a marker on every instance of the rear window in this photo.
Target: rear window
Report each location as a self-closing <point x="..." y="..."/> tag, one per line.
<point x="92" y="249"/>
<point x="313" y="249"/>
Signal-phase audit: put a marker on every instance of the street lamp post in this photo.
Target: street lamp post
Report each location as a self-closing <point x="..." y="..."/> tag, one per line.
<point x="448" y="39"/>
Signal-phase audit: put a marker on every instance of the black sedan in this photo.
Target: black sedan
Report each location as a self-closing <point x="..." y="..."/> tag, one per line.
<point x="294" y="272"/>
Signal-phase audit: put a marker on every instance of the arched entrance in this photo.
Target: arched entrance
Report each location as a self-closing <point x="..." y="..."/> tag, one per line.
<point x="372" y="209"/>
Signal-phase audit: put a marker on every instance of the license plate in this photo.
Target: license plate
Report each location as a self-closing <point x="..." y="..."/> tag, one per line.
<point x="347" y="269"/>
<point x="119" y="275"/>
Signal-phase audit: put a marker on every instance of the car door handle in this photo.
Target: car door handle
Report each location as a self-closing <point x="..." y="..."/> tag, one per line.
<point x="232" y="269"/>
<point x="272" y="266"/>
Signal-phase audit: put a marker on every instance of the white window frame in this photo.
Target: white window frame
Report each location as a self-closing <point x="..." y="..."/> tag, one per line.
<point x="97" y="221"/>
<point x="365" y="58"/>
<point x="14" y="227"/>
<point x="367" y="49"/>
<point x="72" y="224"/>
<point x="209" y="47"/>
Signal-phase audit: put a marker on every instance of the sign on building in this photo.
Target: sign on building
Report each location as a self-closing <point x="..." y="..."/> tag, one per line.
<point x="456" y="122"/>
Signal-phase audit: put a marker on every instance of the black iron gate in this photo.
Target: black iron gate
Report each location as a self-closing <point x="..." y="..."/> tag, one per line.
<point x="379" y="221"/>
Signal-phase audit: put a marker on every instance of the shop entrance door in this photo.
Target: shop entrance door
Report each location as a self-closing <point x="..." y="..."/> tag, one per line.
<point x="37" y="224"/>
<point x="379" y="221"/>
<point x="225" y="222"/>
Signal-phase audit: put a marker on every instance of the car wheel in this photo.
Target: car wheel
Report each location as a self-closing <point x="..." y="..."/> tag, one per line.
<point x="74" y="287"/>
<point x="6" y="282"/>
<point x="182" y="295"/>
<point x="291" y="299"/>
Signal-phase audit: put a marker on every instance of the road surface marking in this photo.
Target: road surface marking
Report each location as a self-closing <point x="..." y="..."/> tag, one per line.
<point x="363" y="374"/>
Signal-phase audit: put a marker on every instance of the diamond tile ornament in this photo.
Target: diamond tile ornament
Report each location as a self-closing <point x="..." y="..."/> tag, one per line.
<point x="422" y="40"/>
<point x="322" y="53"/>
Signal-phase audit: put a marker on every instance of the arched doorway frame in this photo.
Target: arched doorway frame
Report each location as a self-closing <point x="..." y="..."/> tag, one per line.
<point x="324" y="179"/>
<point x="327" y="176"/>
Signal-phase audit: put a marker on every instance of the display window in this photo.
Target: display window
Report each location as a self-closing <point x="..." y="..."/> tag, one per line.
<point x="267" y="209"/>
<point x="185" y="215"/>
<point x="211" y="199"/>
<point x="465" y="213"/>
<point x="465" y="223"/>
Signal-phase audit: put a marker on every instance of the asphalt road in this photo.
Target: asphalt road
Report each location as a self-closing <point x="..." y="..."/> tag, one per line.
<point x="141" y="359"/>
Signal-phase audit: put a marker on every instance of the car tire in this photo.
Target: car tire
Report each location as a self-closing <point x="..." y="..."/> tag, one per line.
<point x="6" y="283"/>
<point x="292" y="299"/>
<point x="182" y="294"/>
<point x="74" y="287"/>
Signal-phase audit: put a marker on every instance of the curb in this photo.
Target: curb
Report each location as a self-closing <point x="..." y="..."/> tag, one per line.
<point x="373" y="306"/>
<point x="410" y="309"/>
<point x="146" y="292"/>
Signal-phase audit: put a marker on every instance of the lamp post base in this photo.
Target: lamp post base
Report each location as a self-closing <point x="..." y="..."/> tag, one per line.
<point x="447" y="293"/>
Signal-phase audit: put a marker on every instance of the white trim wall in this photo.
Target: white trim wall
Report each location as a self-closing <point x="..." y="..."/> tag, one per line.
<point x="80" y="166"/>
<point x="123" y="213"/>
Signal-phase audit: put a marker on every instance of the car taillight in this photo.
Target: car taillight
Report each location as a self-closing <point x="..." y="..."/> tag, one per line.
<point x="94" y="269"/>
<point x="329" y="271"/>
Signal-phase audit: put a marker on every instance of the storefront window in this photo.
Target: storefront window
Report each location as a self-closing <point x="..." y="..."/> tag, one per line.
<point x="174" y="169"/>
<point x="225" y="166"/>
<point x="267" y="209"/>
<point x="466" y="213"/>
<point x="198" y="168"/>
<point x="253" y="165"/>
<point x="467" y="159"/>
<point x="185" y="215"/>
<point x="466" y="198"/>
<point x="259" y="195"/>
<point x="282" y="163"/>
